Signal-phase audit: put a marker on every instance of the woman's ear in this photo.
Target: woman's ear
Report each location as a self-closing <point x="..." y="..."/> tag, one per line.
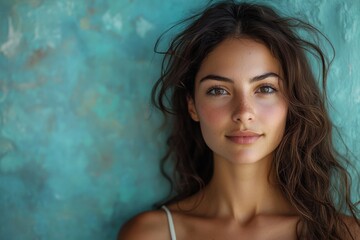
<point x="192" y="109"/>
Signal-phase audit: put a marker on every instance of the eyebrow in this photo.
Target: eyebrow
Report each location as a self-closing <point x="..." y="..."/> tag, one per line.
<point x="253" y="79"/>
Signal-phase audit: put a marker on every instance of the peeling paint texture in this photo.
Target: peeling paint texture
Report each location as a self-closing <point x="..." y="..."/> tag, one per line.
<point x="79" y="142"/>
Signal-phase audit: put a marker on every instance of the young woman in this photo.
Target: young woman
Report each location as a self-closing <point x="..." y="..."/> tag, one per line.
<point x="251" y="139"/>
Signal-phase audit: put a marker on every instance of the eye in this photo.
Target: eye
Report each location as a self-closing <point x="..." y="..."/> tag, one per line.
<point x="217" y="91"/>
<point x="266" y="89"/>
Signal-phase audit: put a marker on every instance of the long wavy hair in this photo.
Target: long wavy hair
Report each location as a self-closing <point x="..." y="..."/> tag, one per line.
<point x="305" y="162"/>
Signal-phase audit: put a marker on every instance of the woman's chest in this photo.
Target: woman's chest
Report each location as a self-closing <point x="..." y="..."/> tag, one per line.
<point x="264" y="228"/>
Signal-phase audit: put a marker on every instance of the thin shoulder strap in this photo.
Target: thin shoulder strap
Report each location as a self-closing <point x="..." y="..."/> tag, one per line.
<point x="171" y="222"/>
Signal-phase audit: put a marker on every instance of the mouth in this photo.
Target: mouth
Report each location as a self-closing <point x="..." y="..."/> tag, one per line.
<point x="244" y="137"/>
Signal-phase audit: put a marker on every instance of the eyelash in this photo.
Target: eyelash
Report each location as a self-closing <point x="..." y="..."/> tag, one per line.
<point x="212" y="91"/>
<point x="216" y="89"/>
<point x="266" y="86"/>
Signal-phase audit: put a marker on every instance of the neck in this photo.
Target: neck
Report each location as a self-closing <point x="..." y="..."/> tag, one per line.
<point x="243" y="191"/>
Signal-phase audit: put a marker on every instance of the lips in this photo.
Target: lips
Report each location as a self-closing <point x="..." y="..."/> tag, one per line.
<point x="244" y="137"/>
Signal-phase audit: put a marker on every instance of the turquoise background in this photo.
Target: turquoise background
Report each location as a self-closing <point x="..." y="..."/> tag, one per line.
<point x="79" y="142"/>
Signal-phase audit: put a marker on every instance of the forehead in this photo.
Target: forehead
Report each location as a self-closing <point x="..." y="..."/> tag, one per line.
<point x="239" y="58"/>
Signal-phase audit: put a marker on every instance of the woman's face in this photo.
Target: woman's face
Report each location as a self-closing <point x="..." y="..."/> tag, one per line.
<point x="238" y="101"/>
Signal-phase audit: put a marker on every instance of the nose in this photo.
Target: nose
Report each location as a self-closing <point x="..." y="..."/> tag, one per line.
<point x="243" y="110"/>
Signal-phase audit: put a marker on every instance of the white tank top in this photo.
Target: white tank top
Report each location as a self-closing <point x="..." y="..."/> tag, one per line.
<point x="170" y="221"/>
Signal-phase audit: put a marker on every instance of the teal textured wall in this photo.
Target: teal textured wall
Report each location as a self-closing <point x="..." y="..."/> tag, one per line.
<point x="79" y="141"/>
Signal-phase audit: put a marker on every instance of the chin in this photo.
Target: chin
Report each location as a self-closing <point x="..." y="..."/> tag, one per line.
<point x="248" y="158"/>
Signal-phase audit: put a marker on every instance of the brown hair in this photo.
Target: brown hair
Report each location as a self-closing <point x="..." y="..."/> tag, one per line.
<point x="305" y="161"/>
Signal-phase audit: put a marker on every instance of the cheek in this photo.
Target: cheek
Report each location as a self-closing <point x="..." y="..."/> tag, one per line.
<point x="211" y="114"/>
<point x="273" y="112"/>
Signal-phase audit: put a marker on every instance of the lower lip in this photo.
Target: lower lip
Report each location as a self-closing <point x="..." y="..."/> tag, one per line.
<point x="244" y="140"/>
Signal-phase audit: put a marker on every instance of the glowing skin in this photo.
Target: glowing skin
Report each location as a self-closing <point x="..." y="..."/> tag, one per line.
<point x="238" y="101"/>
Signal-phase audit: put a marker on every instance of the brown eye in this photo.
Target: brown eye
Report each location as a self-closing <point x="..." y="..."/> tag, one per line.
<point x="266" y="90"/>
<point x="216" y="91"/>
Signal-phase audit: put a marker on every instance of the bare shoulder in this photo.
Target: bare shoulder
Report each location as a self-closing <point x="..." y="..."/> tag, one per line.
<point x="149" y="225"/>
<point x="353" y="226"/>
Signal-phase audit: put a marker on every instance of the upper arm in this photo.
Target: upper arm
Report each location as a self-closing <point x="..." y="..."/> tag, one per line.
<point x="146" y="226"/>
<point x="353" y="226"/>
<point x="130" y="231"/>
